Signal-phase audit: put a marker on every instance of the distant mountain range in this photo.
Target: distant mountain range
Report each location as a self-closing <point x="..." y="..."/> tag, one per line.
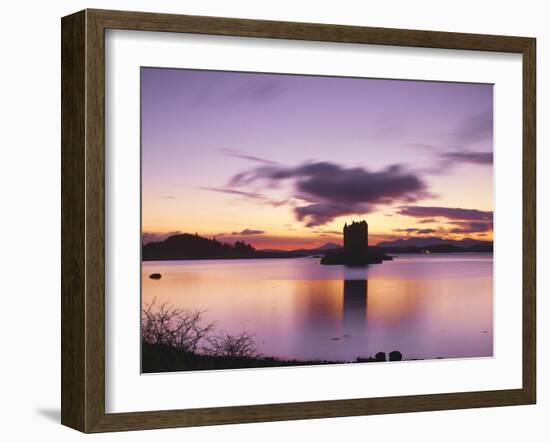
<point x="430" y="241"/>
<point x="436" y="245"/>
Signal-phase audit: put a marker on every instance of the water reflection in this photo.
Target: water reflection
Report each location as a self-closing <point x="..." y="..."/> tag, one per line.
<point x="425" y="307"/>
<point x="355" y="301"/>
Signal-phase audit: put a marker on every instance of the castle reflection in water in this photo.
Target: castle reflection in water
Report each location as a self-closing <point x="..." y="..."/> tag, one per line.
<point x="355" y="303"/>
<point x="424" y="306"/>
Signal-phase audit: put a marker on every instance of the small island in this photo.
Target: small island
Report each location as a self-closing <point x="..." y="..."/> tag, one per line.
<point x="356" y="250"/>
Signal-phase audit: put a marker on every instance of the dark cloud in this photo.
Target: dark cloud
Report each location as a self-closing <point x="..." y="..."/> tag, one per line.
<point x="328" y="232"/>
<point x="427" y="221"/>
<point x="426" y="231"/>
<point x="469" y="157"/>
<point x="249" y="232"/>
<point x="321" y="213"/>
<point x="471" y="227"/>
<point x="251" y="195"/>
<point x="245" y="156"/>
<point x="474" y="129"/>
<point x="332" y="190"/>
<point x="459" y="220"/>
<point x="452" y="213"/>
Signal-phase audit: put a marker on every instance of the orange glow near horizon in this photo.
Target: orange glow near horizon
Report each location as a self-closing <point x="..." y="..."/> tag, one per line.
<point x="226" y="217"/>
<point x="293" y="240"/>
<point x="283" y="161"/>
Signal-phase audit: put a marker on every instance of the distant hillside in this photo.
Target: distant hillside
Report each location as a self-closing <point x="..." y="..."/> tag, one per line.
<point x="186" y="246"/>
<point x="329" y="246"/>
<point x="436" y="245"/>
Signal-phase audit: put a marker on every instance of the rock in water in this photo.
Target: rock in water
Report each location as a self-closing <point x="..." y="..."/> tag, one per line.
<point x="396" y="356"/>
<point x="155" y="276"/>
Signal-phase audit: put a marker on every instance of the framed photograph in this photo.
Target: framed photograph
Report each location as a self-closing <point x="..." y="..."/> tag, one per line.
<point x="269" y="220"/>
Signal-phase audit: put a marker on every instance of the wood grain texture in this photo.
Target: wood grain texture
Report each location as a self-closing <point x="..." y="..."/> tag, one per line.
<point x="73" y="254"/>
<point x="95" y="222"/>
<point x="83" y="220"/>
<point x="144" y="21"/>
<point x="529" y="220"/>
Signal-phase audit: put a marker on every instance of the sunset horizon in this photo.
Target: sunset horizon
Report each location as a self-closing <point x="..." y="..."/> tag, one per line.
<point x="263" y="241"/>
<point x="275" y="160"/>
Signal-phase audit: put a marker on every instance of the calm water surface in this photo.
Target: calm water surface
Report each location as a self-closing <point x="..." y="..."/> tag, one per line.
<point x="425" y="306"/>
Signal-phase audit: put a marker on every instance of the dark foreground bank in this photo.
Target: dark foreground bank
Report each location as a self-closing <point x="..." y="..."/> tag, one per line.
<point x="162" y="358"/>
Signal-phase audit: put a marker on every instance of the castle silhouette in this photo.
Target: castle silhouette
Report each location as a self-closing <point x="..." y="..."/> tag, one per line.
<point x="356" y="237"/>
<point x="356" y="251"/>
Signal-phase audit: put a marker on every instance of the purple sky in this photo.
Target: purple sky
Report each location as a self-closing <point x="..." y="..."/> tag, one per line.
<point x="204" y="130"/>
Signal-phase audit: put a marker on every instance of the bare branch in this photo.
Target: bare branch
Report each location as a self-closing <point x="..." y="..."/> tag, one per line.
<point x="174" y="327"/>
<point x="232" y="346"/>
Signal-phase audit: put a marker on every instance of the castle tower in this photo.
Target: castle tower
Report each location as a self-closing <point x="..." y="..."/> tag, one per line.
<point x="356" y="238"/>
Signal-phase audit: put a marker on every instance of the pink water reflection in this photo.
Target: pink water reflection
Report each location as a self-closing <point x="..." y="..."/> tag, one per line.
<point x="425" y="306"/>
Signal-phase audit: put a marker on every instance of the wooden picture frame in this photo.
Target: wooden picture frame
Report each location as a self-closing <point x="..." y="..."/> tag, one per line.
<point x="83" y="220"/>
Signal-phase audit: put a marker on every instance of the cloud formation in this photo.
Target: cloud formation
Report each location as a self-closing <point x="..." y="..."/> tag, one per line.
<point x="416" y="230"/>
<point x="251" y="195"/>
<point x="472" y="227"/>
<point x="426" y="231"/>
<point x="328" y="232"/>
<point x="461" y="221"/>
<point x="452" y="213"/>
<point x="243" y="155"/>
<point x="249" y="232"/>
<point x="331" y="190"/>
<point x="471" y="131"/>
<point x="475" y="128"/>
<point x="446" y="160"/>
<point x="427" y="221"/>
<point x="482" y="158"/>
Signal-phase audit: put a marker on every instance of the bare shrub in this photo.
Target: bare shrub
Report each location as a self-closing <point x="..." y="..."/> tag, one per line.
<point x="231" y="346"/>
<point x="172" y="326"/>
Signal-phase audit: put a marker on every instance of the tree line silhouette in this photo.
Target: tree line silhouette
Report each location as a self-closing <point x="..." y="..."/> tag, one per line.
<point x="186" y="246"/>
